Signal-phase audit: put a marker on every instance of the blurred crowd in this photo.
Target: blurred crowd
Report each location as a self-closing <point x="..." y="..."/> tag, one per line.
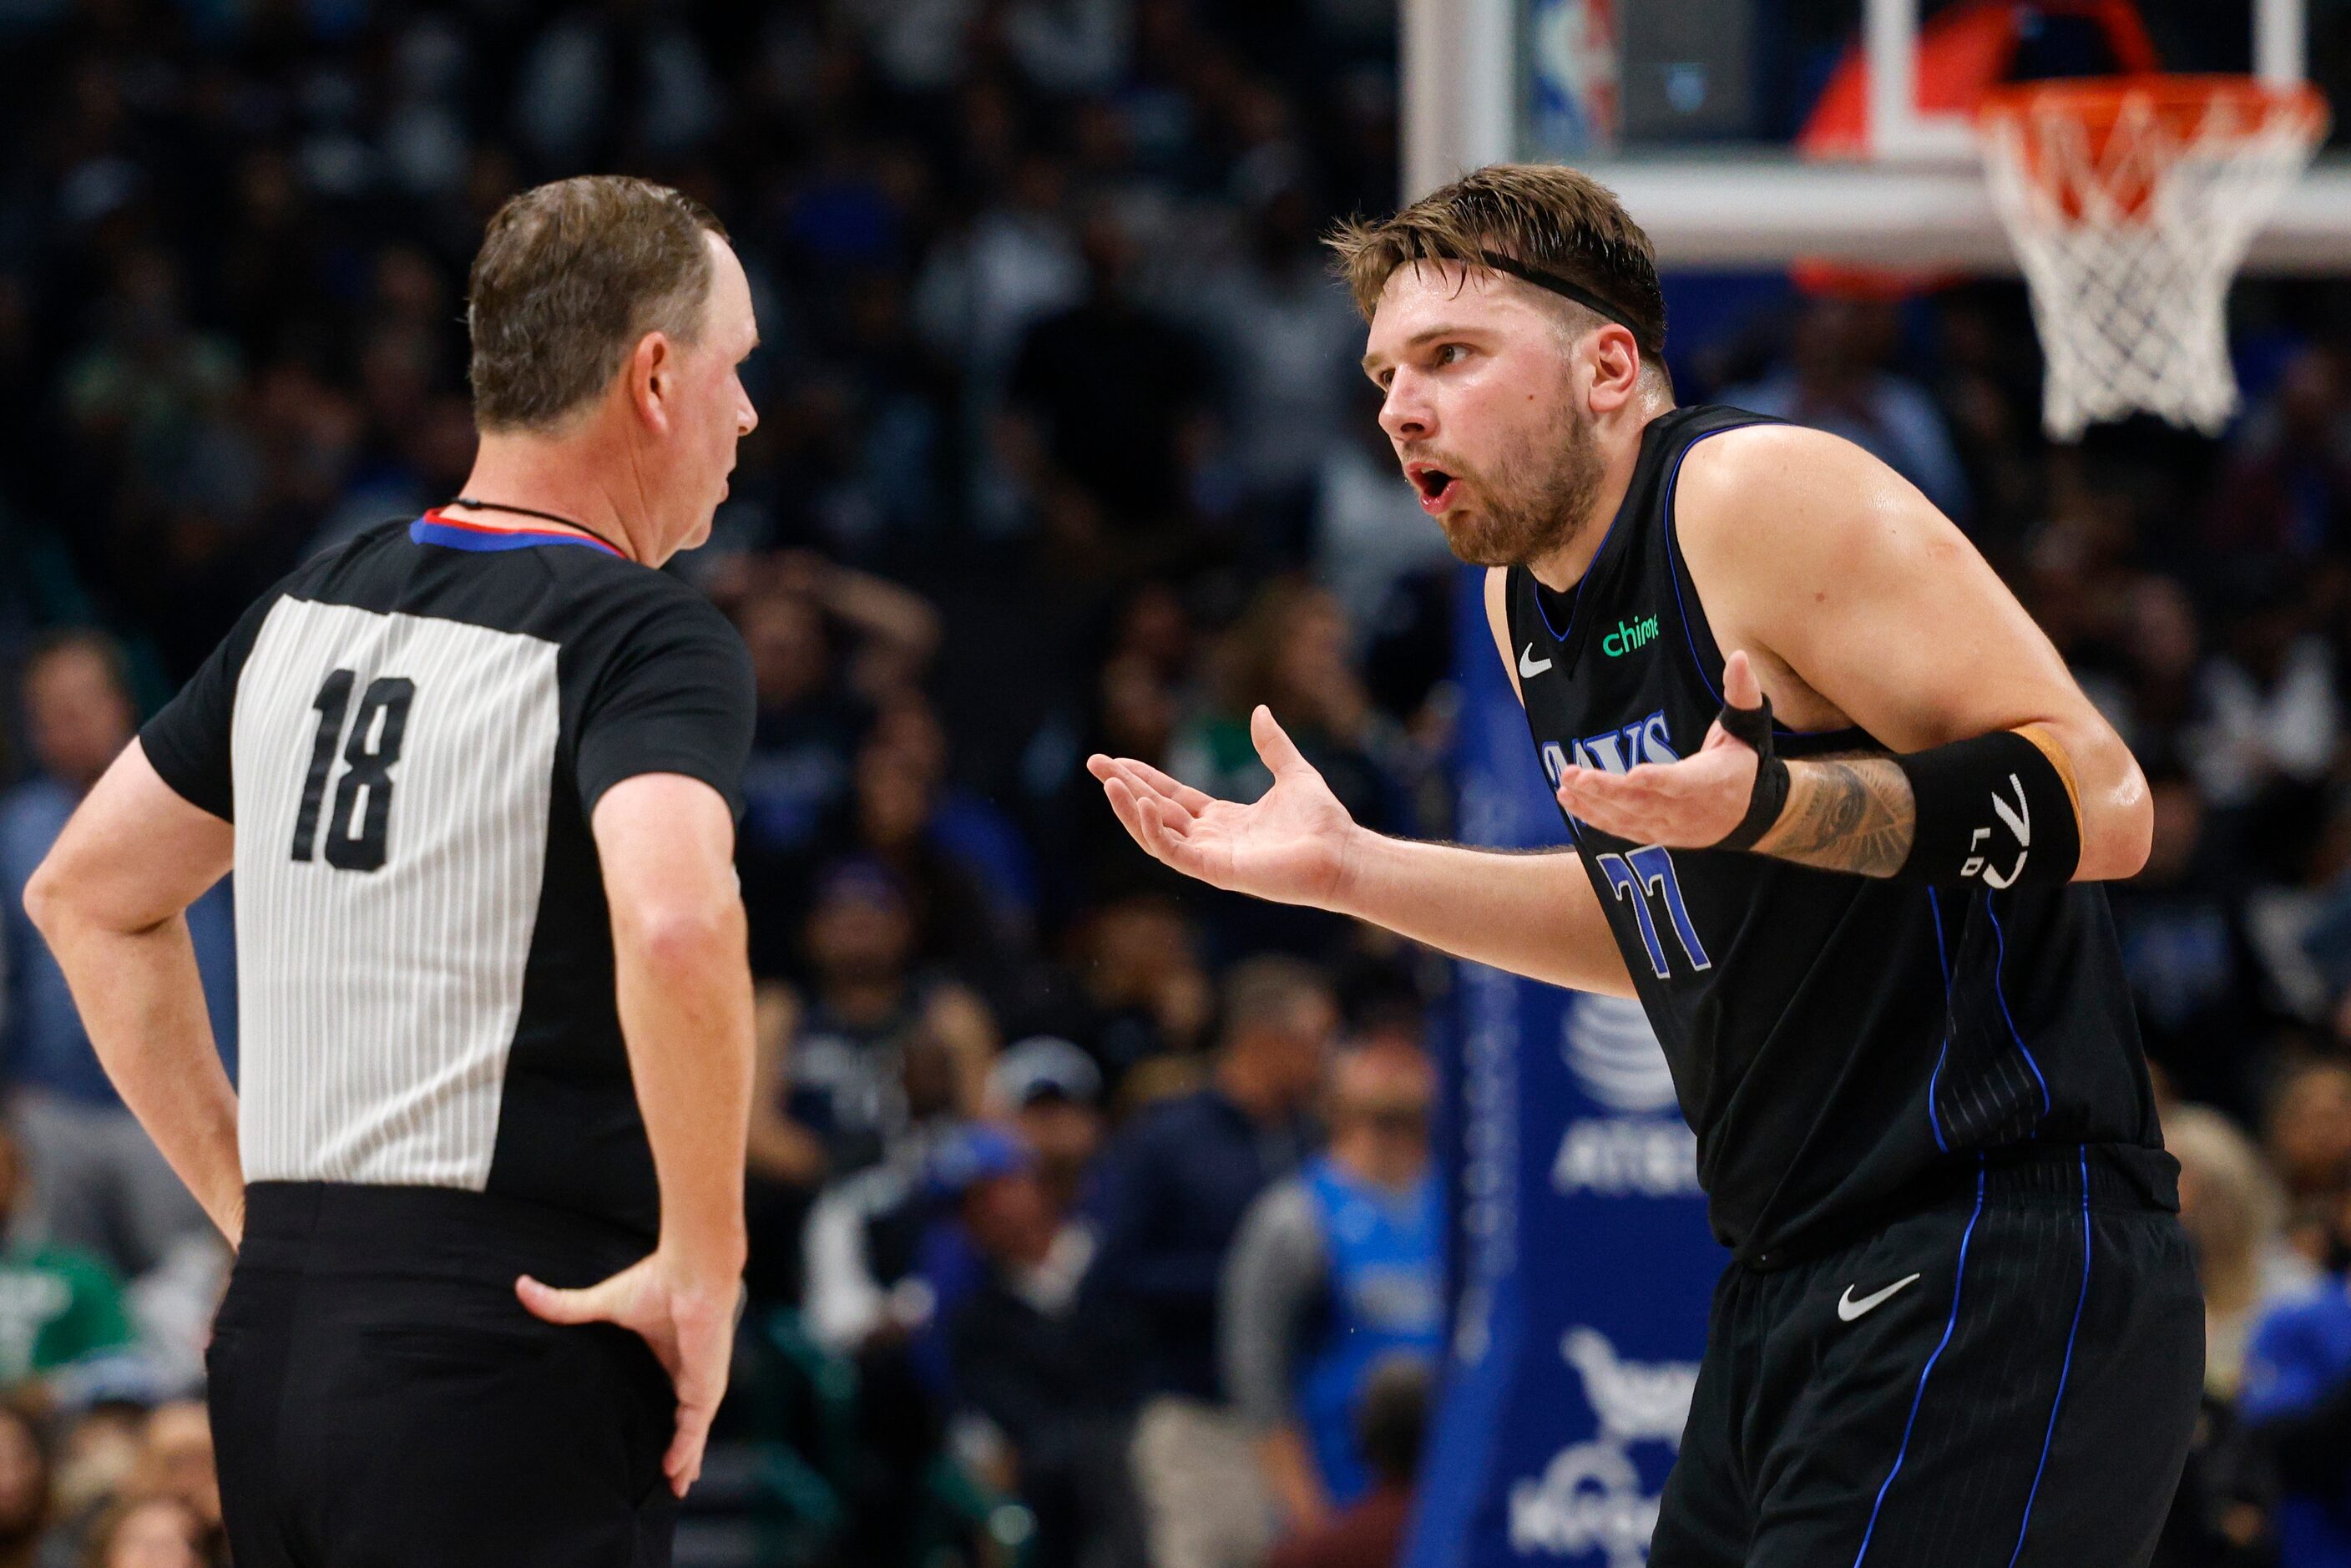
<point x="1092" y="1216"/>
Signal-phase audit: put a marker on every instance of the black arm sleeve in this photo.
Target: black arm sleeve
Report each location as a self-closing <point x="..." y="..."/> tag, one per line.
<point x="189" y="741"/>
<point x="676" y="697"/>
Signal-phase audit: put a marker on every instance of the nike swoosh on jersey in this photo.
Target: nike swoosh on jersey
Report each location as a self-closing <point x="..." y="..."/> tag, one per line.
<point x="1848" y="1308"/>
<point x="1531" y="666"/>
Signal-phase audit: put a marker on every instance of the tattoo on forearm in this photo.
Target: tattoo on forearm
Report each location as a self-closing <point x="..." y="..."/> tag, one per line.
<point x="1844" y="813"/>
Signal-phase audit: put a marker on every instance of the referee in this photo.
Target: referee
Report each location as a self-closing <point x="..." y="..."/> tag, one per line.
<point x="485" y="1168"/>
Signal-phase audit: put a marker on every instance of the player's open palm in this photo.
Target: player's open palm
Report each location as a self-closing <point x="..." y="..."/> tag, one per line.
<point x="690" y="1331"/>
<point x="1290" y="844"/>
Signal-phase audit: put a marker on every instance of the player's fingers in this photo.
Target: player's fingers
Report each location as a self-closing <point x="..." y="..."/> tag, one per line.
<point x="1171" y="838"/>
<point x="1139" y="821"/>
<point x="1193" y="802"/>
<point x="1129" y="773"/>
<point x="1274" y="745"/>
<point x="590" y="1305"/>
<point x="1124" y="808"/>
<point x="1740" y="687"/>
<point x="1594" y="784"/>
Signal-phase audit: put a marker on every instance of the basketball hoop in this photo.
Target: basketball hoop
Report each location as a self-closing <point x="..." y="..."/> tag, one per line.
<point x="2130" y="201"/>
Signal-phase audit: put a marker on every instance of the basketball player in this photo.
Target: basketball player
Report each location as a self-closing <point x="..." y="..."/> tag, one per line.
<point x="1839" y="815"/>
<point x="482" y="772"/>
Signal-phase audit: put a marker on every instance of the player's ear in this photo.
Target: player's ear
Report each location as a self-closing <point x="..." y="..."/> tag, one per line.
<point x="1615" y="360"/>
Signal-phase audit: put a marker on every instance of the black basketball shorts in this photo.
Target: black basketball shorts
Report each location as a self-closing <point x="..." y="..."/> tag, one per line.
<point x="380" y="1399"/>
<point x="2008" y="1378"/>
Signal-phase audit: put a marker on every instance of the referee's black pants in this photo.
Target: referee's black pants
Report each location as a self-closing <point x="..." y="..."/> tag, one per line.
<point x="379" y="1398"/>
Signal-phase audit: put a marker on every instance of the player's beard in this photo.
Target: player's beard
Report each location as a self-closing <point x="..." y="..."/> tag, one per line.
<point x="1533" y="501"/>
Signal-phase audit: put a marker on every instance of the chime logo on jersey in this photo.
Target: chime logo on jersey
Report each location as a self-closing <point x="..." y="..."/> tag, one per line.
<point x="1629" y="637"/>
<point x="1614" y="750"/>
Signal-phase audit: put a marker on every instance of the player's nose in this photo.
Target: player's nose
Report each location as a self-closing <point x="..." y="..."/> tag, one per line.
<point x="1405" y="414"/>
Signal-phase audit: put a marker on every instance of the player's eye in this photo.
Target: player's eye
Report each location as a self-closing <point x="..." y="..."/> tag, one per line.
<point x="1451" y="353"/>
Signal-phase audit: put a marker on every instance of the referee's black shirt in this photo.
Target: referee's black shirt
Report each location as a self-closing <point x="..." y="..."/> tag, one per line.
<point x="411" y="733"/>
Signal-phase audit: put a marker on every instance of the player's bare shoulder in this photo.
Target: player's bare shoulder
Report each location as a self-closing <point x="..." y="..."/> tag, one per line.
<point x="1764" y="489"/>
<point x="1769" y="508"/>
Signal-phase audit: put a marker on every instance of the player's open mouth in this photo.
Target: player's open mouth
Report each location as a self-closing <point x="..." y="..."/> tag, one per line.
<point x="1435" y="488"/>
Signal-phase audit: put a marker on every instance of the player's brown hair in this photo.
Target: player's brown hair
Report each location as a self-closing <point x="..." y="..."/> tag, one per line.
<point x="1544" y="216"/>
<point x="570" y="277"/>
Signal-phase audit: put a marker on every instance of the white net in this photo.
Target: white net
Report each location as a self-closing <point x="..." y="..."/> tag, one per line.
<point x="2130" y="209"/>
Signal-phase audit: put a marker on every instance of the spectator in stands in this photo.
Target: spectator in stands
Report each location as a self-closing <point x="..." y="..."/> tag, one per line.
<point x="96" y="1454"/>
<point x="866" y="1000"/>
<point x="1390" y="1423"/>
<point x="2268" y="720"/>
<point x="1293" y="652"/>
<point x="971" y="882"/>
<point x="2235" y="1214"/>
<point x="146" y="1532"/>
<point x="1135" y="993"/>
<point x="2192" y="969"/>
<point x="1052" y="1092"/>
<point x="867" y="1282"/>
<point x="1176" y="1181"/>
<point x="1046" y="1367"/>
<point x="2297" y="1397"/>
<point x="175" y="1462"/>
<point x="25" y="1505"/>
<point x="1286" y="341"/>
<point x="1107" y="417"/>
<point x="880" y="1279"/>
<point x="2286" y="490"/>
<point x="1369" y="530"/>
<point x="807" y="730"/>
<point x="58" y="1304"/>
<point x="1335" y="1270"/>
<point x="99" y="1183"/>
<point x="2308" y="1136"/>
<point x="1836" y="380"/>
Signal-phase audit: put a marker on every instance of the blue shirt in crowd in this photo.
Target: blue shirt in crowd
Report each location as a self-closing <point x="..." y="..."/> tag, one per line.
<point x="1175" y="1184"/>
<point x="42" y="1044"/>
<point x="2299" y="1355"/>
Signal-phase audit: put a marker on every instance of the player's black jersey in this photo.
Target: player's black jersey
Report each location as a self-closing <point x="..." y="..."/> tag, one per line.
<point x="409" y="734"/>
<point x="1834" y="1038"/>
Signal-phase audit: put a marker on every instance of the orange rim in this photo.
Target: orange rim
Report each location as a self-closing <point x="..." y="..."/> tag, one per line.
<point x="2133" y="126"/>
<point x="2098" y="102"/>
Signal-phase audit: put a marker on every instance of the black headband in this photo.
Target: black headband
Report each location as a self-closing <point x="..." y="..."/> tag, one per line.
<point x="1561" y="286"/>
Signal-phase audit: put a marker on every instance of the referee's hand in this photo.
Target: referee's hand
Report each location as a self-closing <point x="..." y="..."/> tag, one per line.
<point x="690" y="1326"/>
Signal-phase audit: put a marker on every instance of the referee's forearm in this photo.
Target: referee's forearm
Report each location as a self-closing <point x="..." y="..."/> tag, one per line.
<point x="684" y="992"/>
<point x="142" y="1003"/>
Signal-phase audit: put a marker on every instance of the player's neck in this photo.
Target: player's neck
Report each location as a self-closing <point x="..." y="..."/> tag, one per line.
<point x="555" y="476"/>
<point x="1619" y="440"/>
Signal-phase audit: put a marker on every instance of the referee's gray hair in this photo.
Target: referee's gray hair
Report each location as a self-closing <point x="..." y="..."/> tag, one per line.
<point x="569" y="277"/>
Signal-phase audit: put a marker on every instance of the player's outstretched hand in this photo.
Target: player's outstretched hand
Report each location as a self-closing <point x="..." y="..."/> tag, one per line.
<point x="1692" y="804"/>
<point x="1288" y="845"/>
<point x="690" y="1328"/>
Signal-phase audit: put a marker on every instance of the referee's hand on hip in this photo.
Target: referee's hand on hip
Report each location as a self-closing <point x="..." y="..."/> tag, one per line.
<point x="667" y="847"/>
<point x="691" y="1328"/>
